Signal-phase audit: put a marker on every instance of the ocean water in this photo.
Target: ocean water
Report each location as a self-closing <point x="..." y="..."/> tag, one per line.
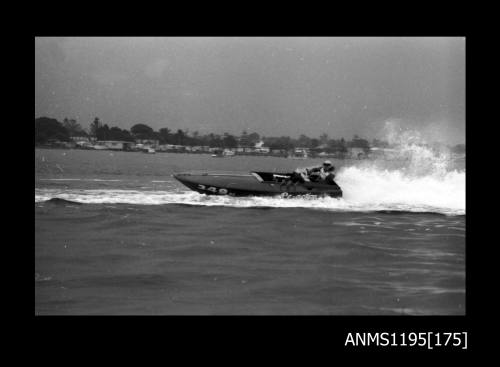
<point x="115" y="233"/>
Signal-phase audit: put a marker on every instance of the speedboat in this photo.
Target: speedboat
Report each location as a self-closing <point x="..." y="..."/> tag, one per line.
<point x="254" y="184"/>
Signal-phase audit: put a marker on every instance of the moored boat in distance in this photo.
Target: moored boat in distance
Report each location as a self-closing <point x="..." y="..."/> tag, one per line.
<point x="254" y="184"/>
<point x="99" y="147"/>
<point x="299" y="153"/>
<point x="225" y="153"/>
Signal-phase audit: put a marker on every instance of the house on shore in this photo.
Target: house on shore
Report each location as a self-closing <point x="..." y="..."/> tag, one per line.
<point x="260" y="148"/>
<point x="199" y="149"/>
<point x="115" y="144"/>
<point x="153" y="143"/>
<point x="171" y="148"/>
<point x="77" y="139"/>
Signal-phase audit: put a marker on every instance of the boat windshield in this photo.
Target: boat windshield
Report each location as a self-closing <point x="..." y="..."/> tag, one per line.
<point x="271" y="176"/>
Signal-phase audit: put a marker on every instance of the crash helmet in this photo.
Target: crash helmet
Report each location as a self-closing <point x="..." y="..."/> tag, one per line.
<point x="328" y="165"/>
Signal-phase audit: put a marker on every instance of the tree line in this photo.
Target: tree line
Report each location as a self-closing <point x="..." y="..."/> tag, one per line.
<point x="49" y="129"/>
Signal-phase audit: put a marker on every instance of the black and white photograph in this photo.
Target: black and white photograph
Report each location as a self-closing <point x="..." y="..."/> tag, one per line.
<point x="250" y="175"/>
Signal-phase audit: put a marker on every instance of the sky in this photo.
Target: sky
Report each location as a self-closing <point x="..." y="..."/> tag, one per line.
<point x="341" y="86"/>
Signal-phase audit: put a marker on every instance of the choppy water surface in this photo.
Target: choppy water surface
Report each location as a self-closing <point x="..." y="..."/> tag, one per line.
<point x="116" y="234"/>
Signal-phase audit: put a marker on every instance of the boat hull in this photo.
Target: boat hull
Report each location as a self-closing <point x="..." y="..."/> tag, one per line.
<point x="253" y="184"/>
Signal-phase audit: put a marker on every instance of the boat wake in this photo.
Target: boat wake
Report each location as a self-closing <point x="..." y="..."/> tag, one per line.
<point x="346" y="204"/>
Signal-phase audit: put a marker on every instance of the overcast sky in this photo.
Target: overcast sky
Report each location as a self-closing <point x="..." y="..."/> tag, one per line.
<point x="273" y="86"/>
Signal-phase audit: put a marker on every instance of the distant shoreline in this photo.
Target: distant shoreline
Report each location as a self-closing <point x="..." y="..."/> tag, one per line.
<point x="180" y="152"/>
<point x="251" y="154"/>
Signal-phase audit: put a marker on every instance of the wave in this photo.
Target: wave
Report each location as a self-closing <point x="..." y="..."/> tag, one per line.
<point x="60" y="201"/>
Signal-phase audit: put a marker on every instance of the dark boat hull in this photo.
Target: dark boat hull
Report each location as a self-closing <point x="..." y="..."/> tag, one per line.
<point x="253" y="184"/>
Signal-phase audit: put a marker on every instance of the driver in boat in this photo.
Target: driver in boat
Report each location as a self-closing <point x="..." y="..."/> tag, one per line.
<point x="322" y="173"/>
<point x="316" y="174"/>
